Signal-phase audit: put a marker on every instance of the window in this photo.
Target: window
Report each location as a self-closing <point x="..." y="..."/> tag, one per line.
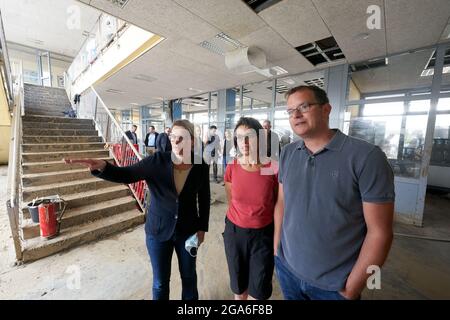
<point x="443" y="104"/>
<point x="386" y="108"/>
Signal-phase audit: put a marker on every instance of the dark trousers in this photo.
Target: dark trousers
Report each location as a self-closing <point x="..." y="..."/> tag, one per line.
<point x="161" y="259"/>
<point x="215" y="170"/>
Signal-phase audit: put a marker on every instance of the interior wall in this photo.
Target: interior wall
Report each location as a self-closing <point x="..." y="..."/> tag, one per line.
<point x="5" y="126"/>
<point x="29" y="62"/>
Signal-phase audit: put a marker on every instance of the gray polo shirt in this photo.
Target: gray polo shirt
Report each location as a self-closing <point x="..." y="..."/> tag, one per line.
<point x="323" y="225"/>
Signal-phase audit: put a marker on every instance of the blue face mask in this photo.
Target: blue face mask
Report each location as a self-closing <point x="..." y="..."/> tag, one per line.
<point x="191" y="245"/>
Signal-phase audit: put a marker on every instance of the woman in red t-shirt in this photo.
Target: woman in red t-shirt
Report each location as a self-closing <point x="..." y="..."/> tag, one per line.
<point x="251" y="183"/>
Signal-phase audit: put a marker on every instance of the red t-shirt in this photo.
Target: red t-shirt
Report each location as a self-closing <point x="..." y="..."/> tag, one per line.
<point x="253" y="195"/>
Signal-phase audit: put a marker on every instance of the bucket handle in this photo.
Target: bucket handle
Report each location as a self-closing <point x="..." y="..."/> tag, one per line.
<point x="62" y="213"/>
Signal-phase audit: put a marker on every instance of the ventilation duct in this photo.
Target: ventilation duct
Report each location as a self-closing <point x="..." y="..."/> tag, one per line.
<point x="244" y="60"/>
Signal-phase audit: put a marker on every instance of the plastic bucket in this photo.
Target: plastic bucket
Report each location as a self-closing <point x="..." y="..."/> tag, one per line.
<point x="33" y="209"/>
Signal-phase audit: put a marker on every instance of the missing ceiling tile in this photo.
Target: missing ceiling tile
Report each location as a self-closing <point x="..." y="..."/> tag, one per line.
<point x="321" y="51"/>
<point x="259" y="5"/>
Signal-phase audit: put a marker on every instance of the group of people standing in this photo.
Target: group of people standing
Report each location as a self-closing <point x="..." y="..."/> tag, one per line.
<point x="321" y="216"/>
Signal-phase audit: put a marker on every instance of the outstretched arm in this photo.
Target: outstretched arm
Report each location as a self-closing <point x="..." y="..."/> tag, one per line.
<point x="104" y="170"/>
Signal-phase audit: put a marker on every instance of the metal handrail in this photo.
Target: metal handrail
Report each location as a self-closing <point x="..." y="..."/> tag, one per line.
<point x="139" y="188"/>
<point x="13" y="204"/>
<point x="120" y="29"/>
<point x="130" y="144"/>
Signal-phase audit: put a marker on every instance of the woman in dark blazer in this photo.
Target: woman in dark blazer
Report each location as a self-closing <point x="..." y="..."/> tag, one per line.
<point x="179" y="184"/>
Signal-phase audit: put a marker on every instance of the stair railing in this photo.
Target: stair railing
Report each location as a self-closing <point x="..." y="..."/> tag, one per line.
<point x="121" y="148"/>
<point x="13" y="184"/>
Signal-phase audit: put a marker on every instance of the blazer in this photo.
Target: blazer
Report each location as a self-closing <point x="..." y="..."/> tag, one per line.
<point x="147" y="137"/>
<point x="163" y="143"/>
<point x="168" y="212"/>
<point x="132" y="136"/>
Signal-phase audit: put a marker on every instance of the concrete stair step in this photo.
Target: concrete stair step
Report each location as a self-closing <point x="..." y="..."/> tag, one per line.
<point x="54" y="147"/>
<point x="53" y="125"/>
<point x="37" y="248"/>
<point x="58" y="132"/>
<point x="64" y="188"/>
<point x="37" y="118"/>
<point x="82" y="215"/>
<point x="44" y="113"/>
<point x="46" y="105"/>
<point x="85" y="198"/>
<point x="60" y="139"/>
<point x="60" y="155"/>
<point x="39" y="179"/>
<point x="53" y="166"/>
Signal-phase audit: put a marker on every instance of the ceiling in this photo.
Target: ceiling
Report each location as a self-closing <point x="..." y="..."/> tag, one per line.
<point x="179" y="62"/>
<point x="44" y="24"/>
<point x="402" y="72"/>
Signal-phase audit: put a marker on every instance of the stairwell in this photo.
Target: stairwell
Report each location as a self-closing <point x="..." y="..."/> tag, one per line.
<point x="96" y="208"/>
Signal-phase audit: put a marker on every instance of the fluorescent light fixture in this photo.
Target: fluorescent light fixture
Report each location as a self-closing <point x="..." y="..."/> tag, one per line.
<point x="288" y="81"/>
<point x="144" y="77"/>
<point x="279" y="70"/>
<point x="115" y="91"/>
<point x="430" y="72"/>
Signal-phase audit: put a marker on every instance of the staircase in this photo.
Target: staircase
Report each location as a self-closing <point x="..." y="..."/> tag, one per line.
<point x="96" y="208"/>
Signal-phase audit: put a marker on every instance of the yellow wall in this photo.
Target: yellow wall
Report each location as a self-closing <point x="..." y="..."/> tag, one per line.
<point x="354" y="93"/>
<point x="5" y="126"/>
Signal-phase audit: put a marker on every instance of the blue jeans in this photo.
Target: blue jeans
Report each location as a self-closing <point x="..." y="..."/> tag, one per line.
<point x="161" y="259"/>
<point x="294" y="288"/>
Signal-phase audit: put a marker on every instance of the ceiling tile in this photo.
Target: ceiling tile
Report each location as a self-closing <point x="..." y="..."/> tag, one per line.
<point x="347" y="20"/>
<point x="297" y="21"/>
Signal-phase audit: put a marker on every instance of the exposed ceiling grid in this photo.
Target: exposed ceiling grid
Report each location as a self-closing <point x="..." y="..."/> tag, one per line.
<point x="347" y="21"/>
<point x="297" y="21"/>
<point x="179" y="63"/>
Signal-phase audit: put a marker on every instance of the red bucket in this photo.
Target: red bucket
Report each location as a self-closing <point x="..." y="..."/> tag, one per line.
<point x="50" y="215"/>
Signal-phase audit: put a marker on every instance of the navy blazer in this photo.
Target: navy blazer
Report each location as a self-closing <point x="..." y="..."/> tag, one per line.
<point x="168" y="212"/>
<point x="163" y="143"/>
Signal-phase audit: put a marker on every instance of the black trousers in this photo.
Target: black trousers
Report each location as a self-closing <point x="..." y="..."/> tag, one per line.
<point x="215" y="170"/>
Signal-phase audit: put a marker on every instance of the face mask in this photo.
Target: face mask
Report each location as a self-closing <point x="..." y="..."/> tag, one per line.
<point x="191" y="245"/>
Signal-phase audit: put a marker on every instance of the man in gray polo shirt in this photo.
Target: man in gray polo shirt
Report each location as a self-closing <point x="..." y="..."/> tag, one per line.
<point x="334" y="213"/>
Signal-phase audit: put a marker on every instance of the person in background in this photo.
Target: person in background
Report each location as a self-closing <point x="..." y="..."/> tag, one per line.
<point x="285" y="140"/>
<point x="251" y="188"/>
<point x="180" y="194"/>
<point x="272" y="141"/>
<point x="228" y="146"/>
<point x="212" y="146"/>
<point x="150" y="140"/>
<point x="163" y="142"/>
<point x="335" y="207"/>
<point x="131" y="134"/>
<point x="198" y="141"/>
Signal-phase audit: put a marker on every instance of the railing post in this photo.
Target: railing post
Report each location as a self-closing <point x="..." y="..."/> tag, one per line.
<point x="13" y="215"/>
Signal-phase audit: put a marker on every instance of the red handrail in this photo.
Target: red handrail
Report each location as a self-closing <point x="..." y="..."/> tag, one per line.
<point x="124" y="157"/>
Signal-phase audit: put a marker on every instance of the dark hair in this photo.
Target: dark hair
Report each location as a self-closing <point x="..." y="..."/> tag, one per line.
<point x="250" y="123"/>
<point x="153" y="127"/>
<point x="268" y="121"/>
<point x="213" y="127"/>
<point x="186" y="124"/>
<point x="134" y="126"/>
<point x="319" y="94"/>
